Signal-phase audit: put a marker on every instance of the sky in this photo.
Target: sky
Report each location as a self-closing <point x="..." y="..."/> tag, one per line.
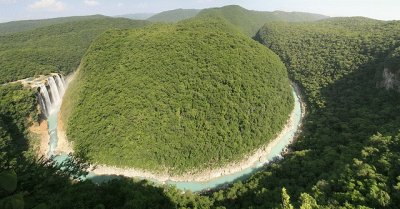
<point x="40" y="9"/>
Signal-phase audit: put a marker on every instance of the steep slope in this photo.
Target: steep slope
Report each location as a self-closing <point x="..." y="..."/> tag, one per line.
<point x="177" y="98"/>
<point x="175" y="15"/>
<point x="348" y="153"/>
<point x="251" y="21"/>
<point x="56" y="48"/>
<point x="26" y="25"/>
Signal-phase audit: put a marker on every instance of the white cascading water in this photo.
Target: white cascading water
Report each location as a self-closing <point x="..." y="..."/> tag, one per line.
<point x="63" y="80"/>
<point x="44" y="95"/>
<point x="56" y="92"/>
<point x="60" y="85"/>
<point x="55" y="96"/>
<point x="43" y="105"/>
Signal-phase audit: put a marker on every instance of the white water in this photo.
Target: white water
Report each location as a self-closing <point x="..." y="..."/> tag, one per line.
<point x="43" y="105"/>
<point x="51" y="101"/>
<point x="60" y="85"/>
<point x="54" y="93"/>
<point x="44" y="96"/>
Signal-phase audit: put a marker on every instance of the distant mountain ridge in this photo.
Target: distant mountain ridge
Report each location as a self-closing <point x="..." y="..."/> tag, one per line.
<point x="54" y="48"/>
<point x="175" y="15"/>
<point x="137" y="16"/>
<point x="25" y="25"/>
<point x="250" y="21"/>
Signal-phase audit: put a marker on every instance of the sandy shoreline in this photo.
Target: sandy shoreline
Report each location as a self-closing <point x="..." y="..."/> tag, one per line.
<point x="41" y="131"/>
<point x="206" y="175"/>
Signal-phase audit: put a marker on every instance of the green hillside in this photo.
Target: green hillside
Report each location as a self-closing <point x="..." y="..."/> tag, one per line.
<point x="26" y="25"/>
<point x="181" y="97"/>
<point x="56" y="48"/>
<point x="348" y="153"/>
<point x="174" y="16"/>
<point x="175" y="95"/>
<point x="392" y="61"/>
<point x="251" y="21"/>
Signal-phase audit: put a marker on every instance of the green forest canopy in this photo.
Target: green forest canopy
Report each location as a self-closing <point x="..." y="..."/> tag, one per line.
<point x="348" y="153"/>
<point x="55" y="48"/>
<point x="181" y="97"/>
<point x="346" y="157"/>
<point x="250" y="21"/>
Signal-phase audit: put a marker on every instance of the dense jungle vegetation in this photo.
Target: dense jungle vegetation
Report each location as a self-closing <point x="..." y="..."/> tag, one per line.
<point x="348" y="155"/>
<point x="55" y="48"/>
<point x="177" y="98"/>
<point x="29" y="182"/>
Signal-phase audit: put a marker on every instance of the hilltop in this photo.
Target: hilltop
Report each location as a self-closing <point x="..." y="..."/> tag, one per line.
<point x="176" y="98"/>
<point x="250" y="21"/>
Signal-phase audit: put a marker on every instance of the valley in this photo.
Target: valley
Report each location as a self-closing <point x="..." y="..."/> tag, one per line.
<point x="200" y="108"/>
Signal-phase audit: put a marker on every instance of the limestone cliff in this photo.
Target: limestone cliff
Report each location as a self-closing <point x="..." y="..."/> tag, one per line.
<point x="391" y="79"/>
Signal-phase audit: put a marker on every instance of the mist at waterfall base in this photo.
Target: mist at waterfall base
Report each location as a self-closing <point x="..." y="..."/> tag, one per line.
<point x="275" y="152"/>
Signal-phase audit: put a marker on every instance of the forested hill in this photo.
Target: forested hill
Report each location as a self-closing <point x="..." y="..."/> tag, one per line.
<point x="348" y="153"/>
<point x="174" y="15"/>
<point x="55" y="48"/>
<point x="250" y="21"/>
<point x="179" y="98"/>
<point x="25" y="25"/>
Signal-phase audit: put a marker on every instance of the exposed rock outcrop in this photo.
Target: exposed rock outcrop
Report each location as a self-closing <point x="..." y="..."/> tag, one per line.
<point x="391" y="79"/>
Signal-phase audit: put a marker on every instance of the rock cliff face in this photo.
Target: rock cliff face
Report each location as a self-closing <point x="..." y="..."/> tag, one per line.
<point x="391" y="79"/>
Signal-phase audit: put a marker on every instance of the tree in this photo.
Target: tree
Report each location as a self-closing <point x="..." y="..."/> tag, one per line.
<point x="286" y="200"/>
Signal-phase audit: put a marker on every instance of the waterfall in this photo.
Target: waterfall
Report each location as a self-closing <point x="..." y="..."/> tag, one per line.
<point x="50" y="96"/>
<point x="55" y="96"/>
<point x="42" y="105"/>
<point x="63" y="80"/>
<point x="60" y="85"/>
<point x="44" y="95"/>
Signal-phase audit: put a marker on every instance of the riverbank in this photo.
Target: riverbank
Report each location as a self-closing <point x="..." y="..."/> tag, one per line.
<point x="258" y="157"/>
<point x="63" y="145"/>
<point x="41" y="131"/>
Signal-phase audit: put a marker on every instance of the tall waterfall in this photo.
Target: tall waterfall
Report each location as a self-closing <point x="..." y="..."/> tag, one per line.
<point x="50" y="94"/>
<point x="60" y="85"/>
<point x="54" y="93"/>
<point x="42" y="104"/>
<point x="44" y="96"/>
